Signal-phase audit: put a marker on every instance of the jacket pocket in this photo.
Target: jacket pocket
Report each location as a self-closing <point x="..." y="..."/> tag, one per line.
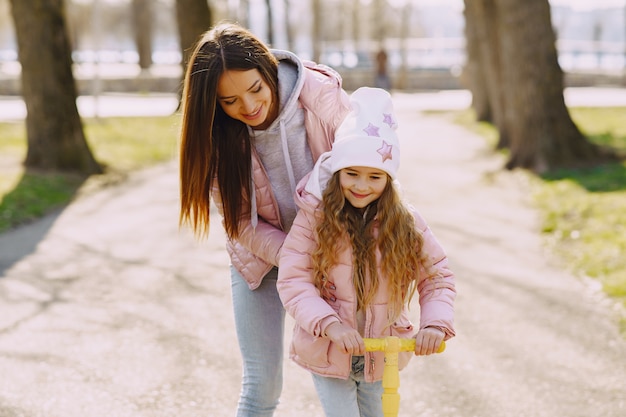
<point x="403" y="327"/>
<point x="309" y="349"/>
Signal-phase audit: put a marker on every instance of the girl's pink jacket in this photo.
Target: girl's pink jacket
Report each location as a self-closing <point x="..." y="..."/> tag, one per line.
<point x="313" y="314"/>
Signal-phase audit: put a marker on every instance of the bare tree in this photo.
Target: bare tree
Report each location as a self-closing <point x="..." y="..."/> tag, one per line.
<point x="291" y="32"/>
<point x="473" y="73"/>
<point x="193" y="18"/>
<point x="244" y="13"/>
<point x="356" y="22"/>
<point x="405" y="34"/>
<point x="484" y="64"/>
<point x="142" y="28"/>
<point x="54" y="129"/>
<point x="379" y="21"/>
<point x="270" y="23"/>
<point x="516" y="53"/>
<point x="317" y="29"/>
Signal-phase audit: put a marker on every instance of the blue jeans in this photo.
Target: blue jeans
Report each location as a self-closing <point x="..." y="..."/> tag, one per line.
<point x="259" y="322"/>
<point x="352" y="397"/>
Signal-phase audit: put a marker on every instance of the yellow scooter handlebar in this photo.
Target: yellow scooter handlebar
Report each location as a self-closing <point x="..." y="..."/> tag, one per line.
<point x="404" y="345"/>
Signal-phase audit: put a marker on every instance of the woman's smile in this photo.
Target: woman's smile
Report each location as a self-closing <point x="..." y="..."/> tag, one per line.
<point x="253" y="115"/>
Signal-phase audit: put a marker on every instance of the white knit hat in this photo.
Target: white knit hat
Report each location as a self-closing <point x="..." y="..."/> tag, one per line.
<point x="367" y="137"/>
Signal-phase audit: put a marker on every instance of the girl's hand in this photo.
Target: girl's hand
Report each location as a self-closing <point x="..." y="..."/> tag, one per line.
<point x="428" y="340"/>
<point x="346" y="338"/>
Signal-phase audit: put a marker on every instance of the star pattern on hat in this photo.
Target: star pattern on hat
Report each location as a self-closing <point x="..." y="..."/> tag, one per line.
<point x="385" y="151"/>
<point x="371" y="130"/>
<point x="388" y="118"/>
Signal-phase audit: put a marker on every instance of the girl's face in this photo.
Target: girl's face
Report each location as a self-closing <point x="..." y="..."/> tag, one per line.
<point x="362" y="185"/>
<point x="245" y="96"/>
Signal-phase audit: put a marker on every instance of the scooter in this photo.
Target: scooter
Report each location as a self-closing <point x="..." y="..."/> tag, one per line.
<point x="392" y="345"/>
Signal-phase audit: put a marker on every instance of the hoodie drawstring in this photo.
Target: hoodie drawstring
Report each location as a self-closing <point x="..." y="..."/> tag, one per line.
<point x="254" y="218"/>
<point x="288" y="165"/>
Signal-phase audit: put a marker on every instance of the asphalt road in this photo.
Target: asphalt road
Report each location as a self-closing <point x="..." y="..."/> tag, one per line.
<point x="108" y="309"/>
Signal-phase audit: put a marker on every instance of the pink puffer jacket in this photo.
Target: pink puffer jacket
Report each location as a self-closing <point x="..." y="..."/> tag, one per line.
<point x="313" y="314"/>
<point x="257" y="249"/>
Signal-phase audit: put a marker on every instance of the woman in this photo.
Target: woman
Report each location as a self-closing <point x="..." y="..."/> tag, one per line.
<point x="254" y="121"/>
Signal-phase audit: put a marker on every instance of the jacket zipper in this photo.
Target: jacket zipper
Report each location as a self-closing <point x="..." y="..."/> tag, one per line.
<point x="372" y="362"/>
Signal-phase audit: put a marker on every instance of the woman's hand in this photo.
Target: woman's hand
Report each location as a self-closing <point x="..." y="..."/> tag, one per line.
<point x="346" y="338"/>
<point x="328" y="292"/>
<point x="428" y="340"/>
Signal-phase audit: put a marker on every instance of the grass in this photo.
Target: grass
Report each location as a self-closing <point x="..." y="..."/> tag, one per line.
<point x="121" y="145"/>
<point x="584" y="211"/>
<point x="128" y="143"/>
<point x="34" y="195"/>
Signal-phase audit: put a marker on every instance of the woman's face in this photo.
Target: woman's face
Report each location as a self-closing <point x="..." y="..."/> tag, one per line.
<point x="245" y="96"/>
<point x="362" y="185"/>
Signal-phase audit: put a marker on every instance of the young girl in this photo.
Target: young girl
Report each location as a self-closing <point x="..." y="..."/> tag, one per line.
<point x="354" y="230"/>
<point x="254" y="121"/>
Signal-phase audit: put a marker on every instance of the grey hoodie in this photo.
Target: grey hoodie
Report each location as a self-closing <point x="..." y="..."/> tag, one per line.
<point x="282" y="147"/>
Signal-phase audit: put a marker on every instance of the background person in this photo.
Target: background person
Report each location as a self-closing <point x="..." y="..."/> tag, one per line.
<point x="382" y="78"/>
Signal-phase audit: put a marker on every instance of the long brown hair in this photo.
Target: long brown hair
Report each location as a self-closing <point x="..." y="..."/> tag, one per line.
<point x="399" y="242"/>
<point x="215" y="149"/>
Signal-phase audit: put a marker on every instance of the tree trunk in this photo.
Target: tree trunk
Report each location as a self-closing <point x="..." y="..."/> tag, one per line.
<point x="193" y="18"/>
<point x="56" y="141"/>
<point x="291" y="29"/>
<point x="541" y="132"/>
<point x="473" y="75"/>
<point x="244" y="13"/>
<point x="380" y="22"/>
<point x="405" y="34"/>
<point x="270" y="23"/>
<point x="485" y="68"/>
<point x="317" y="29"/>
<point x="142" y="26"/>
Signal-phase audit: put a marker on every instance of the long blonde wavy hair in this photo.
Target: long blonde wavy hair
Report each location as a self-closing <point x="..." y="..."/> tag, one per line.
<point x="399" y="242"/>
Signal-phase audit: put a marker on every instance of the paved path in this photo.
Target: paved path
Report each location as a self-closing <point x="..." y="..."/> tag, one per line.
<point x="108" y="309"/>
